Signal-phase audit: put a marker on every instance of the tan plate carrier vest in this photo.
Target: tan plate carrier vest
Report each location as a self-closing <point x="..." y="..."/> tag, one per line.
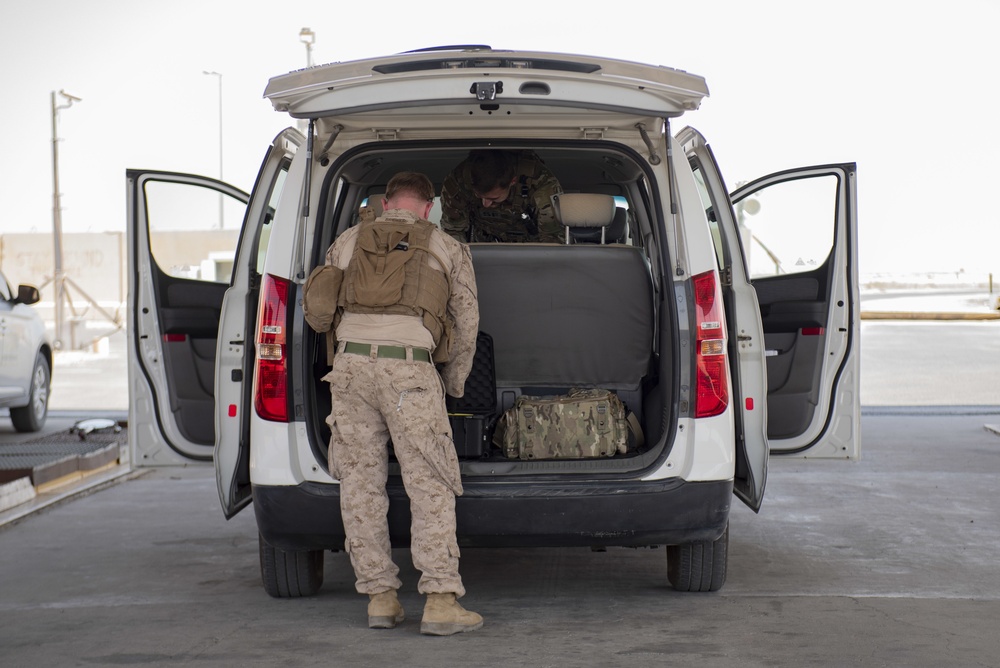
<point x="389" y="272"/>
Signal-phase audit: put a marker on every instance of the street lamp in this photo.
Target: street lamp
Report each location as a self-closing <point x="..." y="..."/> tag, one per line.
<point x="58" y="277"/>
<point x="221" y="201"/>
<point x="308" y="37"/>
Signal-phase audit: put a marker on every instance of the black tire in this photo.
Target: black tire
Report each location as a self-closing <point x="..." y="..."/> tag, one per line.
<point x="290" y="574"/>
<point x="698" y="566"/>
<point x="32" y="417"/>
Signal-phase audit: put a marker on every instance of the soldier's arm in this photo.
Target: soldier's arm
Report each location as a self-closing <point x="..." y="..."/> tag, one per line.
<point x="549" y="229"/>
<point x="454" y="209"/>
<point x="463" y="309"/>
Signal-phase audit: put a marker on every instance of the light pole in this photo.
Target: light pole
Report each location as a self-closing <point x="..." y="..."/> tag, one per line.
<point x="58" y="273"/>
<point x="221" y="201"/>
<point x="308" y="37"/>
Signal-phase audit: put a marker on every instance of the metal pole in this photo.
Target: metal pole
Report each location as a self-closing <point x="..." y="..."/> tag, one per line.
<point x="307" y="37"/>
<point x="57" y="276"/>
<point x="221" y="177"/>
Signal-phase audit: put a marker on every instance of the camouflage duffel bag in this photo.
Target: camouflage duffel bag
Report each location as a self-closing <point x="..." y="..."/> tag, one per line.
<point x="583" y="424"/>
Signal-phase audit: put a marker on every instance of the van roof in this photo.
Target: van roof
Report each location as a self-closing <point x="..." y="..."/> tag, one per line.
<point x="474" y="75"/>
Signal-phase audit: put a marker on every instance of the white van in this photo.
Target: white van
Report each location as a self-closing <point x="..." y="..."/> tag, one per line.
<point x="726" y="322"/>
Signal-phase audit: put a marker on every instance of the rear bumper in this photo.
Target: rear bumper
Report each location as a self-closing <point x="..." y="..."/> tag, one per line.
<point x="307" y="516"/>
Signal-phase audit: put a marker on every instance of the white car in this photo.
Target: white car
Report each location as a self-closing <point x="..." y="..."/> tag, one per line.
<point x="727" y="322"/>
<point x="25" y="358"/>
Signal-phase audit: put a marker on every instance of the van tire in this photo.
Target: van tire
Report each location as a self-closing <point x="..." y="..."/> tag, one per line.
<point x="32" y="417"/>
<point x="290" y="574"/>
<point x="698" y="566"/>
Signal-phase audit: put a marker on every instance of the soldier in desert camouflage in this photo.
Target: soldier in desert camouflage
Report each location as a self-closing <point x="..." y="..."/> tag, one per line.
<point x="500" y="195"/>
<point x="391" y="318"/>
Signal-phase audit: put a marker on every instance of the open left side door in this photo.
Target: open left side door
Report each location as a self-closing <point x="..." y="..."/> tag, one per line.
<point x="196" y="246"/>
<point x="235" y="357"/>
<point x="182" y="232"/>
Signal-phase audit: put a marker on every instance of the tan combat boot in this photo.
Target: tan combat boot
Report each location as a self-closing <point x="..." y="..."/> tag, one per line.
<point x="444" y="616"/>
<point x="384" y="610"/>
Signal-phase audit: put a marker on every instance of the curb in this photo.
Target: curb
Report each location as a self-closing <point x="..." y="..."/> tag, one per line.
<point x="16" y="492"/>
<point x="32" y="501"/>
<point x="51" y="463"/>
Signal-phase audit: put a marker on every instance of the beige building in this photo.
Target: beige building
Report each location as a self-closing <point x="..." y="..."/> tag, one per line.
<point x="95" y="264"/>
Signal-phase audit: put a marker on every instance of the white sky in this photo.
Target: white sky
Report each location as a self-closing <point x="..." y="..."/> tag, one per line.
<point x="908" y="90"/>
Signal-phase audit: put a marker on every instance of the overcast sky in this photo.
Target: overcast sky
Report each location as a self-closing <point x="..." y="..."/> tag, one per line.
<point x="907" y="90"/>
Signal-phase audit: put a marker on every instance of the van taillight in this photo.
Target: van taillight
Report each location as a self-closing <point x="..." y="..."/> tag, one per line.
<point x="271" y="379"/>
<point x="712" y="384"/>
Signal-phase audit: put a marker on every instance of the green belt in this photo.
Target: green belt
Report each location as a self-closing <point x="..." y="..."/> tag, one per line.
<point x="392" y="352"/>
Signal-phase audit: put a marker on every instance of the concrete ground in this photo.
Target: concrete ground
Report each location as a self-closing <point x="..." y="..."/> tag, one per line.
<point x="890" y="561"/>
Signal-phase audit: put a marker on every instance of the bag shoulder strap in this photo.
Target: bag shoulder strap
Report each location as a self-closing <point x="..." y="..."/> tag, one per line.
<point x="636" y="429"/>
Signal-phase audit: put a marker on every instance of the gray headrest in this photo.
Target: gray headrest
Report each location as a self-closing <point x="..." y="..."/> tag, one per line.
<point x="584" y="209"/>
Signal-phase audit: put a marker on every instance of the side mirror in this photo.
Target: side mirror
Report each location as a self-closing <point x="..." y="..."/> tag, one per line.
<point x="27" y="294"/>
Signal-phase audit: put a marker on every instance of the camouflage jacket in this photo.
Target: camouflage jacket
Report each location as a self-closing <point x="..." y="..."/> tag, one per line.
<point x="527" y="215"/>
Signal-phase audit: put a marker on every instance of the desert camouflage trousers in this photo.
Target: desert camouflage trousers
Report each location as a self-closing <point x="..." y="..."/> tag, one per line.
<point x="375" y="399"/>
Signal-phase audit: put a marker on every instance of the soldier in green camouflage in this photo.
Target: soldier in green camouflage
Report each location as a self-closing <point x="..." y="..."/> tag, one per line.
<point x="500" y="195"/>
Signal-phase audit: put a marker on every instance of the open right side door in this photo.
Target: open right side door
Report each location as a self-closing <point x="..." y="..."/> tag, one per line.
<point x="797" y="235"/>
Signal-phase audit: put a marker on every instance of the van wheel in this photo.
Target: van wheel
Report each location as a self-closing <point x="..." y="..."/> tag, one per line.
<point x="32" y="417"/>
<point x="698" y="566"/>
<point x="290" y="574"/>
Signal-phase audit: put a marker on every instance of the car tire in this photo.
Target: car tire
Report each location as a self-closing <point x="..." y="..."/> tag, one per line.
<point x="32" y="417"/>
<point x="290" y="574"/>
<point x="698" y="566"/>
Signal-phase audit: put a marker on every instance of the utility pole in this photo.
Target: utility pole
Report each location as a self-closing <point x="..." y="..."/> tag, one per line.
<point x="60" y="281"/>
<point x="59" y="275"/>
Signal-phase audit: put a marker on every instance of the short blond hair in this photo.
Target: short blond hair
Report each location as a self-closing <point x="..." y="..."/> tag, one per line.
<point x="415" y="184"/>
